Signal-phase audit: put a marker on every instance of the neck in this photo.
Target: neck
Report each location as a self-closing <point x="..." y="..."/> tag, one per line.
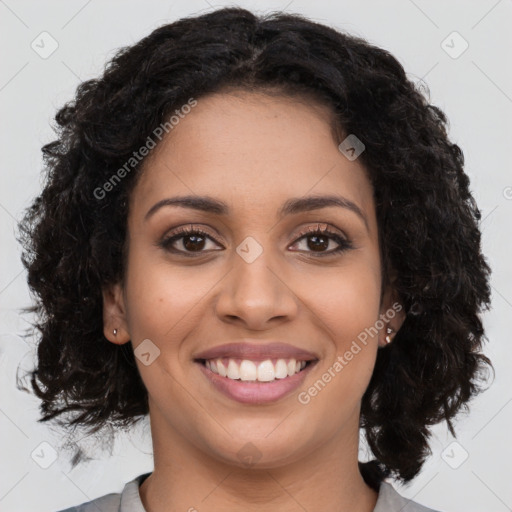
<point x="186" y="479"/>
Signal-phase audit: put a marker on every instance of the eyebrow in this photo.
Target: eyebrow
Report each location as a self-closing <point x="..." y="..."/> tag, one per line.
<point x="290" y="207"/>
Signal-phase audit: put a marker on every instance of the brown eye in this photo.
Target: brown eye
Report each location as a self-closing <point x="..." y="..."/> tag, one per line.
<point x="193" y="242"/>
<point x="189" y="241"/>
<point x="320" y="240"/>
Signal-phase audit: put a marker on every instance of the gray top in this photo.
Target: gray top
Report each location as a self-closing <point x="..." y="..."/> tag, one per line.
<point x="129" y="500"/>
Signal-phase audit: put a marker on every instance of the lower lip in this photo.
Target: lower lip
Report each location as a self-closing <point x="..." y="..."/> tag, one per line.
<point x="254" y="392"/>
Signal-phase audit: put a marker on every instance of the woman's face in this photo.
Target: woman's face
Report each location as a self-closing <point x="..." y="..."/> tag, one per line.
<point x="252" y="276"/>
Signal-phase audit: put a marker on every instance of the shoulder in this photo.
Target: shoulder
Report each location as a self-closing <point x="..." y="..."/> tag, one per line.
<point x="127" y="500"/>
<point x="390" y="500"/>
<point x="107" y="503"/>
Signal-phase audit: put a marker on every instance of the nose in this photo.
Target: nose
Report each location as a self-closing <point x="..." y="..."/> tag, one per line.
<point x="255" y="295"/>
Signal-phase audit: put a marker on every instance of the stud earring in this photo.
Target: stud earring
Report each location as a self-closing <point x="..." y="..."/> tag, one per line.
<point x="388" y="334"/>
<point x="115" y="332"/>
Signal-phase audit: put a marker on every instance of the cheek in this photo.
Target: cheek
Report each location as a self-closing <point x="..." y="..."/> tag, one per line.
<point x="346" y="306"/>
<point x="346" y="300"/>
<point x="164" y="305"/>
<point x="163" y="300"/>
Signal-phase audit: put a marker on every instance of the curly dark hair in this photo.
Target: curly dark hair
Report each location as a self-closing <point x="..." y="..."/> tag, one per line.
<point x="74" y="241"/>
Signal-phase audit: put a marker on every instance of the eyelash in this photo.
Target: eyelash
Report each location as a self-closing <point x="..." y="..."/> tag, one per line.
<point x="166" y="243"/>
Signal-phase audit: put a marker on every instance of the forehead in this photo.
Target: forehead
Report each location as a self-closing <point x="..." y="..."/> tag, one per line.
<point x="253" y="151"/>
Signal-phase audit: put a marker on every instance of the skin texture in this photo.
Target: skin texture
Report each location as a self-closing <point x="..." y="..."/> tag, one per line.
<point x="253" y="152"/>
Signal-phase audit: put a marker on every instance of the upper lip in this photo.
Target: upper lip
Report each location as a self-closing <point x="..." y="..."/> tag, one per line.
<point x="256" y="350"/>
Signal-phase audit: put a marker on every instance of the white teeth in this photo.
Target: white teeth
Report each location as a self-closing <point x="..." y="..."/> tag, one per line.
<point x="266" y="371"/>
<point x="248" y="370"/>
<point x="281" y="369"/>
<point x="262" y="371"/>
<point x="221" y="369"/>
<point x="233" y="372"/>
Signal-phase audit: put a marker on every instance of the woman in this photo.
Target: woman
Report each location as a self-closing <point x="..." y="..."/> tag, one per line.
<point x="255" y="230"/>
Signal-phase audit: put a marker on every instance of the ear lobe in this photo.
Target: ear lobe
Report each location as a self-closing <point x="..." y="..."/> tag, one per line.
<point x="392" y="314"/>
<point x="115" y="326"/>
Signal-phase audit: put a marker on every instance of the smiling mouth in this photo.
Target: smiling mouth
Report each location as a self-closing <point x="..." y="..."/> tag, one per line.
<point x="247" y="370"/>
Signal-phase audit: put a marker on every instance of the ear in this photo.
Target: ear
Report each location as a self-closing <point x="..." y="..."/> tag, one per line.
<point x="392" y="315"/>
<point x="115" y="327"/>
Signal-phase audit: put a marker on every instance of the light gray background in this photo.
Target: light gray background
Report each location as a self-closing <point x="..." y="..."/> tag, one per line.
<point x="475" y="90"/>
